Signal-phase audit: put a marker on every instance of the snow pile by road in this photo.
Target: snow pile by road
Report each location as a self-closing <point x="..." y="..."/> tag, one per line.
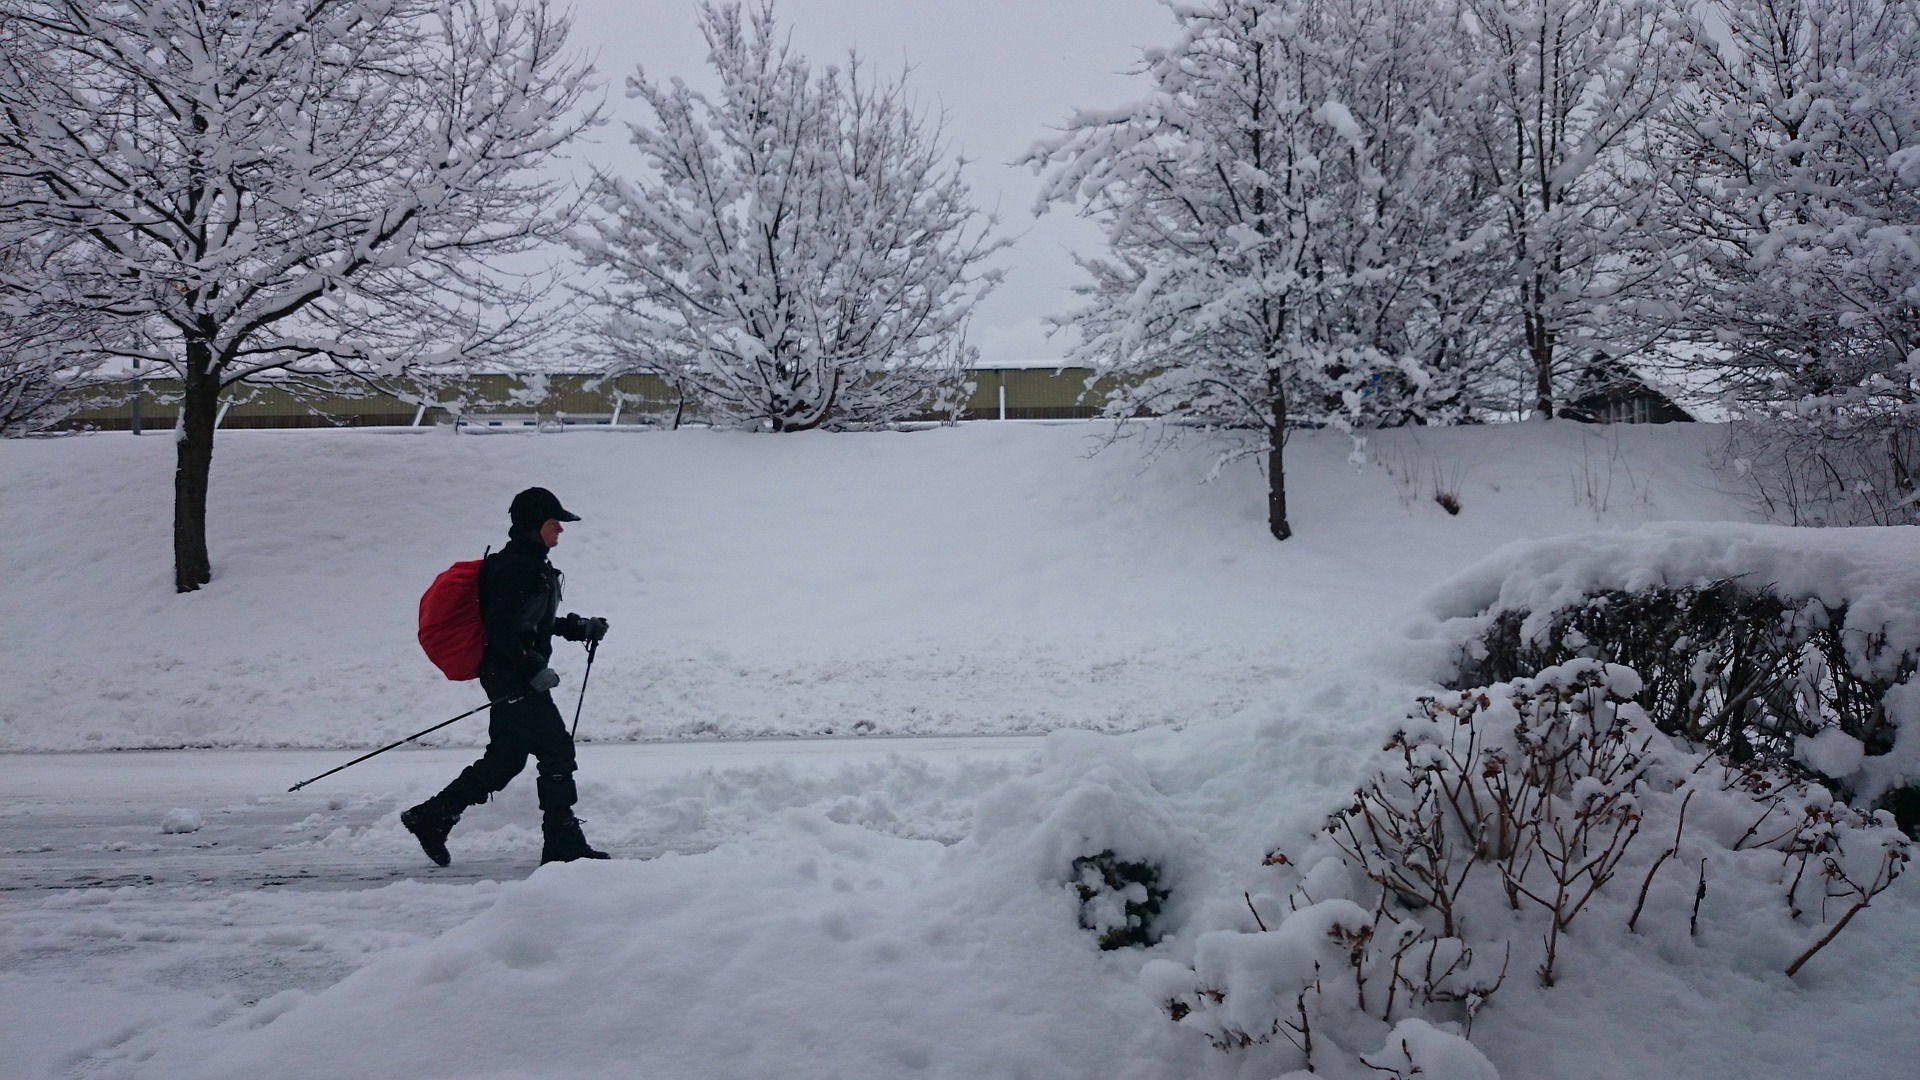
<point x="807" y="946"/>
<point x="182" y="819"/>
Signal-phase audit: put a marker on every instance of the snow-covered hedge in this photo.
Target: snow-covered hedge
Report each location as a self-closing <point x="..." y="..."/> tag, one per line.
<point x="1796" y="646"/>
<point x="1494" y="818"/>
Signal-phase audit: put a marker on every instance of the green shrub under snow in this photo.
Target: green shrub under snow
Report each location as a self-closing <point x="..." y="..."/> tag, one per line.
<point x="1119" y="899"/>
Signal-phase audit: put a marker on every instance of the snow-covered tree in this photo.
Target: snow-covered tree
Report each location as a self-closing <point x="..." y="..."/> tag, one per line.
<point x="799" y="250"/>
<point x="1562" y="92"/>
<point x="53" y="336"/>
<point x="1281" y="212"/>
<point x="52" y="330"/>
<point x="1794" y="185"/>
<point x="314" y="184"/>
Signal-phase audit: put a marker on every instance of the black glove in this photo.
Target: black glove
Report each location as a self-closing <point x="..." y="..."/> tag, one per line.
<point x="580" y="628"/>
<point x="544" y="679"/>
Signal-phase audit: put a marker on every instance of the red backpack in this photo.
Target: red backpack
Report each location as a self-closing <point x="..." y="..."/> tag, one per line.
<point x="451" y="630"/>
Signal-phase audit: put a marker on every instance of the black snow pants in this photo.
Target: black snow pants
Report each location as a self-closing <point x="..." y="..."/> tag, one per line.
<point x="532" y="727"/>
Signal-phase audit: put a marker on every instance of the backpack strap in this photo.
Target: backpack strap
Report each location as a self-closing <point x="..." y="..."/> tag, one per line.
<point x="480" y="579"/>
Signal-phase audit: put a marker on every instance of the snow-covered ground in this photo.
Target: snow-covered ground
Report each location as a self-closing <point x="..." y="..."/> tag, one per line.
<point x="870" y="909"/>
<point x="990" y="578"/>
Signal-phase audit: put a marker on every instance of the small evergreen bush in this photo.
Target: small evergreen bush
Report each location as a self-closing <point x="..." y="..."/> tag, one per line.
<point x="1119" y="899"/>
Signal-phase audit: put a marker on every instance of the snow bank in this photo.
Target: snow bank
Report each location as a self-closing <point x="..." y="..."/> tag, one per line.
<point x="809" y="947"/>
<point x="806" y="948"/>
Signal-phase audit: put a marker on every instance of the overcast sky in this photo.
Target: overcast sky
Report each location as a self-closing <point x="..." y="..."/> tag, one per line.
<point x="1004" y="72"/>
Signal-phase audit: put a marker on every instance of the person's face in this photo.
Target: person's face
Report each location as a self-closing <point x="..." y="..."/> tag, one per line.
<point x="550" y="532"/>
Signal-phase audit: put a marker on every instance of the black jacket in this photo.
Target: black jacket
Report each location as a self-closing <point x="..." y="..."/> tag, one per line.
<point x="519" y="594"/>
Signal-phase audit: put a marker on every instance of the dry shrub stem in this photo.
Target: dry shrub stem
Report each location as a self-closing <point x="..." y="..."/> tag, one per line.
<point x="1633" y="922"/>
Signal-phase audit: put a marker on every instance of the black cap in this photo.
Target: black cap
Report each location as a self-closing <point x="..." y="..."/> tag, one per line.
<point x="536" y="506"/>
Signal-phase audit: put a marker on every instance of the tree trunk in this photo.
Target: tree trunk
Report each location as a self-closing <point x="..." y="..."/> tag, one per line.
<point x="1903" y="474"/>
<point x="1540" y="349"/>
<point x="199" y="408"/>
<point x="1276" y="467"/>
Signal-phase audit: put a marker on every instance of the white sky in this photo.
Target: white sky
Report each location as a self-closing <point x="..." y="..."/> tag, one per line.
<point x="1005" y="72"/>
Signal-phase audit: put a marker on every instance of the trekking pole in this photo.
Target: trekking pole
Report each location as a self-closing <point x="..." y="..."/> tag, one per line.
<point x="592" y="647"/>
<point x="408" y="739"/>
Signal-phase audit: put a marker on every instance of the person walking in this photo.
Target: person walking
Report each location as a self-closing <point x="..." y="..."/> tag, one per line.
<point x="520" y="593"/>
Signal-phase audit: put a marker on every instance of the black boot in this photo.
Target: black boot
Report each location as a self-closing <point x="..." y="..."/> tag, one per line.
<point x="565" y="842"/>
<point x="430" y="825"/>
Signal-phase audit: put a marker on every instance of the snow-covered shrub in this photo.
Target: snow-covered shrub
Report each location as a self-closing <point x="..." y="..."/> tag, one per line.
<point x="1416" y="1048"/>
<point x="1496" y="817"/>
<point x="1732" y="668"/>
<point x="1327" y="979"/>
<point x="1536" y="779"/>
<point x="1119" y="899"/>
<point x="1789" y="648"/>
<point x="1092" y="831"/>
<point x="1530" y="787"/>
<point x="1834" y="859"/>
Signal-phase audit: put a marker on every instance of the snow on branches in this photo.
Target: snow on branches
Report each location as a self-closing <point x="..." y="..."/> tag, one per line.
<point x="1282" y="221"/>
<point x="1563" y="93"/>
<point x="317" y="183"/>
<point x="1793" y="182"/>
<point x="1353" y="212"/>
<point x="54" y="333"/>
<point x="799" y="251"/>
